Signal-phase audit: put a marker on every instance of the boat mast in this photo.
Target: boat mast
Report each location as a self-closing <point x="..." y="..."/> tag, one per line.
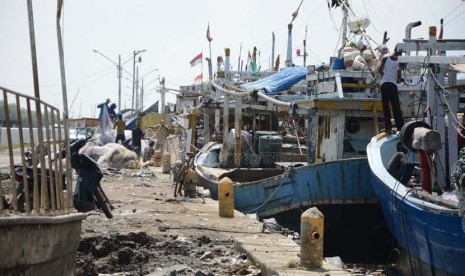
<point x="345" y="13"/>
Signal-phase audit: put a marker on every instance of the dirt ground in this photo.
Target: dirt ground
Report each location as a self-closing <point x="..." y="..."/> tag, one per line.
<point x="152" y="233"/>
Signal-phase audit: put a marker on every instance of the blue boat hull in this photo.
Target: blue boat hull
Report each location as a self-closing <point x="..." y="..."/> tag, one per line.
<point x="431" y="234"/>
<point x="435" y="239"/>
<point x="337" y="182"/>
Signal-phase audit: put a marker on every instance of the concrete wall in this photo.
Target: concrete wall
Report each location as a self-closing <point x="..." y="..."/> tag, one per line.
<point x="15" y="136"/>
<point x="32" y="245"/>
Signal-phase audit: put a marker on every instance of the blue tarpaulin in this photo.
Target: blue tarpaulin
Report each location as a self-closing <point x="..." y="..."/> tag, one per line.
<point x="131" y="123"/>
<point x="279" y="81"/>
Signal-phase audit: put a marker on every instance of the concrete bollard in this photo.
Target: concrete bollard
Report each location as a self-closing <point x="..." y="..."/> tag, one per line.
<point x="226" y="198"/>
<point x="166" y="166"/>
<point x="311" y="238"/>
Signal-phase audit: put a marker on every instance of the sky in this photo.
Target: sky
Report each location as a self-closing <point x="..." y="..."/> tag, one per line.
<point x="172" y="32"/>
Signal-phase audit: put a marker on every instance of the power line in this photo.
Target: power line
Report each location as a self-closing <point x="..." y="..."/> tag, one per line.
<point x="454" y="18"/>
<point x="453" y="10"/>
<point x="366" y="10"/>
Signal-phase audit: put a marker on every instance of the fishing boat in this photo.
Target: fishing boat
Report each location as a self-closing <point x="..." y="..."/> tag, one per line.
<point x="417" y="172"/>
<point x="339" y="108"/>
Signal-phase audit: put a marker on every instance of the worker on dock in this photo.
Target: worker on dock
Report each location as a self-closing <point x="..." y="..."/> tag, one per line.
<point x="120" y="126"/>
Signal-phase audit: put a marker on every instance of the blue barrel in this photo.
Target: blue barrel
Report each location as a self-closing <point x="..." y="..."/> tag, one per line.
<point x="338" y="64"/>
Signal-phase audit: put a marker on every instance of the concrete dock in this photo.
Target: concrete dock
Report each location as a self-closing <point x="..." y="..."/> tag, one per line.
<point x="273" y="253"/>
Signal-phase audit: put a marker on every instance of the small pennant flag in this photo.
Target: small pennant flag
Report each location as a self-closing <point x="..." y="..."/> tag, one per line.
<point x="196" y="60"/>
<point x="209" y="38"/>
<point x="441" y="31"/>
<point x="198" y="79"/>
<point x="294" y="14"/>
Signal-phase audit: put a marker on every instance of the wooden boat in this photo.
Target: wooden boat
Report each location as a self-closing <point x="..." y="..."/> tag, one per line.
<point x="290" y="185"/>
<point x="420" y="190"/>
<point x="332" y="168"/>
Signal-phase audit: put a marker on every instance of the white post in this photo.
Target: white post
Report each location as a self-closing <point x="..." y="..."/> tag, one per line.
<point x="431" y="97"/>
<point x="162" y="96"/>
<point x="227" y="76"/>
<point x="218" y="69"/>
<point x="289" y="47"/>
<point x="217" y="120"/>
<point x="453" y="99"/>
<point x="237" y="131"/>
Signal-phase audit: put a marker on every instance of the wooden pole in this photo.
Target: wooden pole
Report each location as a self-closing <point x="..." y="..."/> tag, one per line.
<point x="27" y="205"/>
<point x="37" y="95"/>
<point x="35" y="207"/>
<point x="14" y="200"/>
<point x="69" y="179"/>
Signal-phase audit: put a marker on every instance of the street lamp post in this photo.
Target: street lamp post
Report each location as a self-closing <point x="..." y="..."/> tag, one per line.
<point x="118" y="66"/>
<point x="134" y="76"/>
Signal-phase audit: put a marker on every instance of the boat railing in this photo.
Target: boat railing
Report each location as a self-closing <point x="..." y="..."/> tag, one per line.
<point x="46" y="172"/>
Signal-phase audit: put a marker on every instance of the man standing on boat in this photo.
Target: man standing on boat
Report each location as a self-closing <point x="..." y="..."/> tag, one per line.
<point x="390" y="72"/>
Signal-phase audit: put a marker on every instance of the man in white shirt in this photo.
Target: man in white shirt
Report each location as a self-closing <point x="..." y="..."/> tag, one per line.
<point x="389" y="70"/>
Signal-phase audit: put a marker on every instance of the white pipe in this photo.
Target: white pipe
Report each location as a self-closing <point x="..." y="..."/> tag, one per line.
<point x="273" y="100"/>
<point x="231" y="92"/>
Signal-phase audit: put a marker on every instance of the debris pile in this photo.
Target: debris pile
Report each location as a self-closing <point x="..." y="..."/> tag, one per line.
<point x="138" y="253"/>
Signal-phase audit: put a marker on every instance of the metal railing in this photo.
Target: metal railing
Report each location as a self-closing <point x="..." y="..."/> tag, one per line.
<point x="45" y="177"/>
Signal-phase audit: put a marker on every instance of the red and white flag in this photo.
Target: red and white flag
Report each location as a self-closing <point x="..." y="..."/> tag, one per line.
<point x="198" y="79"/>
<point x="441" y="31"/>
<point x="196" y="60"/>
<point x="209" y="38"/>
